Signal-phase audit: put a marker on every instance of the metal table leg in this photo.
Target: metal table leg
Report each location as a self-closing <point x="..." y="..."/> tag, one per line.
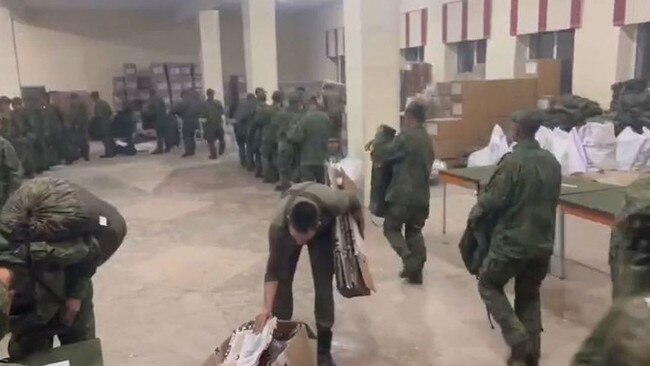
<point x="444" y="208"/>
<point x="557" y="267"/>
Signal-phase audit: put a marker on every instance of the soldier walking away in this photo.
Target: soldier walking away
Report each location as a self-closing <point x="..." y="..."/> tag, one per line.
<point x="334" y="103"/>
<point x="410" y="156"/>
<point x="254" y="135"/>
<point x="157" y="111"/>
<point x="269" y="148"/>
<point x="243" y="119"/>
<point x="519" y="206"/>
<point x="104" y="113"/>
<point x="623" y="335"/>
<point x="189" y="111"/>
<point x="311" y="133"/>
<point x="79" y="119"/>
<point x="20" y="137"/>
<point x="285" y="119"/>
<point x="212" y="111"/>
<point x="306" y="216"/>
<point x="54" y="130"/>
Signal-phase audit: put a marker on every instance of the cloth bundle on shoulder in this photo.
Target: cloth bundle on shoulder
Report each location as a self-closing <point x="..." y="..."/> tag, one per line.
<point x="569" y="111"/>
<point x="50" y="209"/>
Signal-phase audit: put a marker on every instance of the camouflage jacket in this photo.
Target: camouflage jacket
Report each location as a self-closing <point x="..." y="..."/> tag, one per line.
<point x="103" y="110"/>
<point x="410" y="155"/>
<point x="521" y="198"/>
<point x="11" y="170"/>
<point x="312" y="134"/>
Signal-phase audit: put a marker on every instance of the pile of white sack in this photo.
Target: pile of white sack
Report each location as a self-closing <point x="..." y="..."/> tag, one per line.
<point x="592" y="147"/>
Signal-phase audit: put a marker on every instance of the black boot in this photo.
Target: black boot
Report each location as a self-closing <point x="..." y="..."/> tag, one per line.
<point x="519" y="354"/>
<point x="325" y="347"/>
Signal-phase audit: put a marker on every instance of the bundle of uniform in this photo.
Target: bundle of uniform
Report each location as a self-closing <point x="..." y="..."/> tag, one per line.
<point x="51" y="210"/>
<point x="633" y="86"/>
<point x="633" y="111"/>
<point x="569" y="111"/>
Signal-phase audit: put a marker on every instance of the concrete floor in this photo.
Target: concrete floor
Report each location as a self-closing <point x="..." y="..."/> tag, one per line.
<point x="192" y="266"/>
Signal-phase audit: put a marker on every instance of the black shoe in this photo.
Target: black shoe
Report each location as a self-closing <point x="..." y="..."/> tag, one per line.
<point x="186" y="155"/>
<point x="403" y="274"/>
<point x="519" y="354"/>
<point x="213" y="157"/>
<point x="156" y="152"/>
<point x="325" y="359"/>
<point x="107" y="156"/>
<point x="415" y="279"/>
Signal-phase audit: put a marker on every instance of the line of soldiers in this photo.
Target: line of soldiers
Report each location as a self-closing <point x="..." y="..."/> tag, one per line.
<point x="191" y="111"/>
<point x="40" y="133"/>
<point x="287" y="141"/>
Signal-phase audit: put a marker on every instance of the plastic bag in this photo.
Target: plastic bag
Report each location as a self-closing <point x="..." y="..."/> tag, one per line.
<point x="491" y="154"/>
<point x="599" y="143"/>
<point x="629" y="145"/>
<point x="545" y="138"/>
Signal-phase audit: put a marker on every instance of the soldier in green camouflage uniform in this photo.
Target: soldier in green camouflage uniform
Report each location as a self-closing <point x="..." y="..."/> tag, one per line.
<point x="243" y="119"/>
<point x="54" y="131"/>
<point x="11" y="170"/>
<point x="104" y="113"/>
<point x="54" y="281"/>
<point x="261" y="117"/>
<point x="190" y="111"/>
<point x="36" y="133"/>
<point x="269" y="147"/>
<point x="520" y="201"/>
<point x="311" y="133"/>
<point x="285" y="119"/>
<point x="213" y="129"/>
<point x="411" y="156"/>
<point x="157" y="111"/>
<point x="18" y="136"/>
<point x="79" y="119"/>
<point x="624" y="333"/>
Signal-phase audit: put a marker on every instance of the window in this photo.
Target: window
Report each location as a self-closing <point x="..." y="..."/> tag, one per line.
<point x="555" y="46"/>
<point x="471" y="53"/>
<point x="642" y="67"/>
<point x="339" y="61"/>
<point x="413" y="54"/>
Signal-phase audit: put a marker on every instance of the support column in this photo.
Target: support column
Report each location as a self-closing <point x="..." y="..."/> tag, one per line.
<point x="372" y="64"/>
<point x="211" y="52"/>
<point x="260" y="44"/>
<point x="10" y="85"/>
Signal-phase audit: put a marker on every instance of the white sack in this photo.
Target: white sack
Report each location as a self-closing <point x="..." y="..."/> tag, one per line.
<point x="599" y="143"/>
<point x="629" y="145"/>
<point x="491" y="154"/>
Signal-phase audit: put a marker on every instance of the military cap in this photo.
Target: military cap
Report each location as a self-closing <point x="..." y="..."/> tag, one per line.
<point x="528" y="118"/>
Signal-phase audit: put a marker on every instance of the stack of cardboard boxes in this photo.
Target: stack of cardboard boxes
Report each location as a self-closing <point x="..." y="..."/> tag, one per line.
<point x="168" y="79"/>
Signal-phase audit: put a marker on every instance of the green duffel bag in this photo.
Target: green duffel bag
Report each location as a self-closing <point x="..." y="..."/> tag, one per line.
<point x="51" y="210"/>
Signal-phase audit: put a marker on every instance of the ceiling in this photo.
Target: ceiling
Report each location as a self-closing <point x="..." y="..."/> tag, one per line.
<point x="163" y="5"/>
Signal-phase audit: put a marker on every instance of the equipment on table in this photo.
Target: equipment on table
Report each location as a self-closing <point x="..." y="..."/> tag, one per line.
<point x="50" y="210"/>
<point x="353" y="278"/>
<point x="569" y="111"/>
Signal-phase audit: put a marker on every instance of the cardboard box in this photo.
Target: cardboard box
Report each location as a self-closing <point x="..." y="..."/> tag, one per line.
<point x="174" y="70"/>
<point x="197" y="71"/>
<point x="119" y="83"/>
<point x="300" y="350"/>
<point x="144" y="82"/>
<point x="130" y="69"/>
<point x="131" y="82"/>
<point x="457" y="109"/>
<point x="188" y="85"/>
<point x="176" y="86"/>
<point x="456" y="88"/>
<point x="443" y="89"/>
<point x="186" y="69"/>
<point x="157" y="69"/>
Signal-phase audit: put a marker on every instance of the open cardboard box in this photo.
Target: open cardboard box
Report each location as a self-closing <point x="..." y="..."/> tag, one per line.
<point x="300" y="351"/>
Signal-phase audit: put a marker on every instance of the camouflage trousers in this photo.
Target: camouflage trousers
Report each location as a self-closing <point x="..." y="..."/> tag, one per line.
<point x="21" y="345"/>
<point x="524" y="322"/>
<point x="270" y="162"/>
<point x="403" y="228"/>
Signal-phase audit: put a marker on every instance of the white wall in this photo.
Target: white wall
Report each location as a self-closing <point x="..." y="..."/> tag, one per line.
<point x="84" y="50"/>
<point x="603" y="53"/>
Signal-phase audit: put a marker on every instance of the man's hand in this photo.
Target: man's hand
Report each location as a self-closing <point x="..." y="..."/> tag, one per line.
<point x="261" y="320"/>
<point x="72" y="309"/>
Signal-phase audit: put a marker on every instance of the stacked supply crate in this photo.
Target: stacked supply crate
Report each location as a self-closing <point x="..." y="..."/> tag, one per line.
<point x="131" y="82"/>
<point x="197" y="78"/>
<point x="119" y="93"/>
<point x="180" y="79"/>
<point x="159" y="81"/>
